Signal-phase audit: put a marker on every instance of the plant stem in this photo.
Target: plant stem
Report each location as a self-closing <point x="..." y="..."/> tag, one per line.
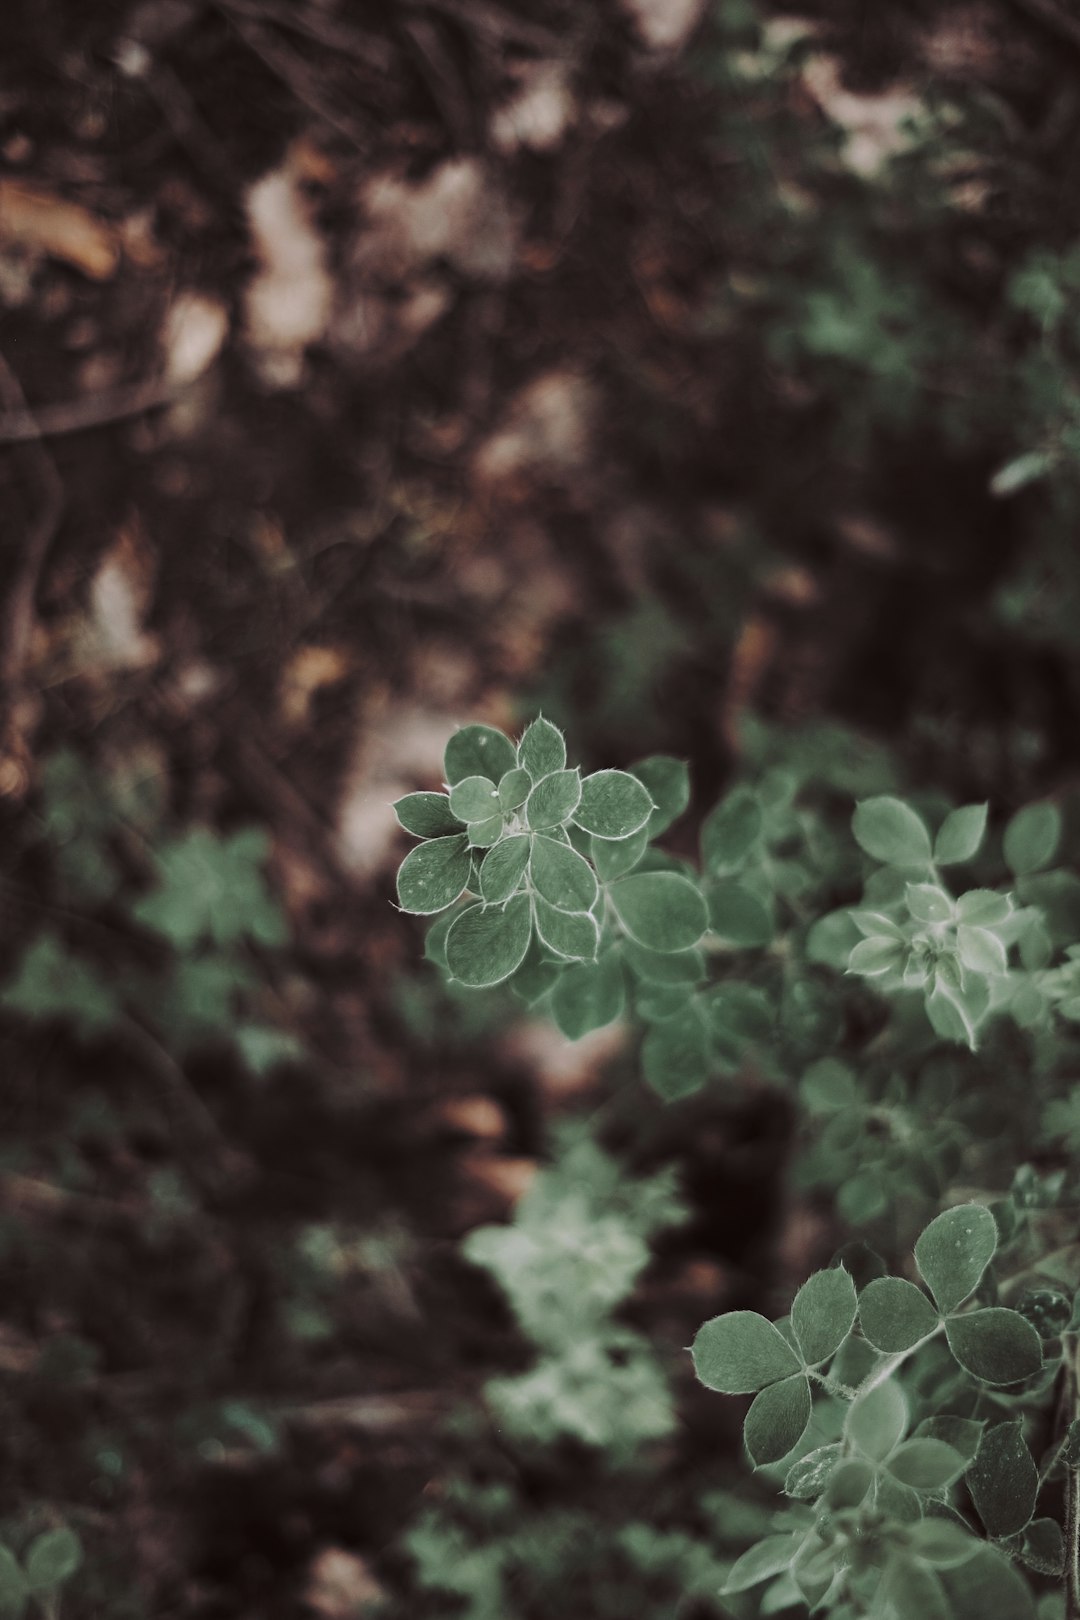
<point x="1072" y="1500"/>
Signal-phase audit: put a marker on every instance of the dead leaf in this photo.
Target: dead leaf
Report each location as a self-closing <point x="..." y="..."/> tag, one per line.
<point x="877" y="127"/>
<point x="546" y="431"/>
<point x="307" y="672"/>
<point x="341" y="1586"/>
<point x="665" y="25"/>
<point x="460" y="213"/>
<point x="538" y="114"/>
<point x="195" y="329"/>
<point x="111" y="637"/>
<point x="44" y="225"/>
<point x="288" y="302"/>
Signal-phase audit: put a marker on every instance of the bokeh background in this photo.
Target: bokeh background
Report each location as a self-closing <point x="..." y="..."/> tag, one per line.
<point x="704" y="375"/>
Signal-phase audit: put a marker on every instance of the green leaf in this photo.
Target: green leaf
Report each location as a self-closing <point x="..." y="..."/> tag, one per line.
<point x="426" y="815"/>
<point x="849" y="1483"/>
<point x="14" y="1592"/>
<point x="488" y="943"/>
<point x="823" y="1313"/>
<point x="537" y="975"/>
<point x="737" y="916"/>
<point x="667" y="781"/>
<point x="1003" y="1480"/>
<point x="1032" y="838"/>
<point x="483" y="834"/>
<point x="777" y="1420"/>
<point x="561" y="876"/>
<point x="955" y="1012"/>
<point x="655" y="1002"/>
<point x="828" y="1085"/>
<point x="661" y="910"/>
<point x="910" y="1591"/>
<point x="575" y="935"/>
<point x="894" y="1314"/>
<point x="613" y="857"/>
<point x="730" y="831"/>
<point x="809" y="1476"/>
<point x="953" y="1252"/>
<point x="739" y="1015"/>
<point x="892" y="832"/>
<point x="50" y="982"/>
<point x="503" y="868"/>
<point x="926" y="1465"/>
<point x="988" y="1585"/>
<point x="741" y="1352"/>
<point x="995" y="1345"/>
<point x="514" y="789"/>
<point x="475" y="798"/>
<point x="1044" y="1547"/>
<point x="542" y="749"/>
<point x="876" y="956"/>
<point x="433" y="875"/>
<point x="981" y="951"/>
<point x="52" y="1559"/>
<point x="676" y="967"/>
<point x="675" y="1053"/>
<point x="613" y="805"/>
<point x="960" y="835"/>
<point x="213" y="887"/>
<point x="943" y="1543"/>
<point x="588" y="996"/>
<point x="478" y="751"/>
<point x="876" y="1421"/>
<point x="553" y="800"/>
<point x="768" y="1558"/>
<point x="962" y="1434"/>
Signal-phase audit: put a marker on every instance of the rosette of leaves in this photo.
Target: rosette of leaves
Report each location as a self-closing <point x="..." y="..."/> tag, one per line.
<point x="877" y="1517"/>
<point x="973" y="954"/>
<point x="547" y="881"/>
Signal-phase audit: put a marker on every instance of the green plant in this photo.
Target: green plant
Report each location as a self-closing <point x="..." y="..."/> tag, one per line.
<point x="911" y="1480"/>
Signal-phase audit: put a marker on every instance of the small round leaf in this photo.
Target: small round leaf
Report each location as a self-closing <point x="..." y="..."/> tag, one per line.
<point x="613" y="805"/>
<point x="541" y="749"/>
<point x="488" y="943"/>
<point x="427" y="815"/>
<point x="553" y="800"/>
<point x="954" y="1251"/>
<point x="562" y="876"/>
<point x="894" y="1314"/>
<point x="740" y="1352"/>
<point x="661" y="910"/>
<point x="478" y="751"/>
<point x="433" y="875"/>
<point x="822" y="1314"/>
<point x="892" y="832"/>
<point x="995" y="1345"/>
<point x="777" y="1420"/>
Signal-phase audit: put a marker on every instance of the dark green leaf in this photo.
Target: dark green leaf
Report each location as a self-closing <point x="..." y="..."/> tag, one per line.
<point x="613" y="857"/>
<point x="661" y="910"/>
<point x="553" y="799"/>
<point x="894" y="1314"/>
<point x="587" y="996"/>
<point x="677" y="967"/>
<point x="14" y="1592"/>
<point x="426" y="815"/>
<point x="1044" y="1547"/>
<point x="988" y="1585"/>
<point x="943" y="1543"/>
<point x="962" y="1434"/>
<point x="542" y="749"/>
<point x="729" y="832"/>
<point x="613" y="805"/>
<point x="808" y="1477"/>
<point x="777" y="1420"/>
<point x="561" y="876"/>
<point x="575" y="935"/>
<point x="876" y="1421"/>
<point x="488" y="943"/>
<point x="1032" y="838"/>
<point x="1003" y="1480"/>
<point x="926" y="1465"/>
<point x="892" y="832"/>
<point x="52" y="1558"/>
<point x="667" y="781"/>
<point x="433" y="875"/>
<point x="737" y="916"/>
<point x="849" y="1483"/>
<point x="503" y="867"/>
<point x="828" y="1085"/>
<point x="478" y="751"/>
<point x="960" y="834"/>
<point x="953" y="1252"/>
<point x="995" y="1345"/>
<point x="674" y="1054"/>
<point x="910" y="1591"/>
<point x="741" y="1352"/>
<point x="822" y="1314"/>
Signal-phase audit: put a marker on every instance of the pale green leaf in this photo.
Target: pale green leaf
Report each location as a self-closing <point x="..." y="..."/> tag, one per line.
<point x="809" y="1476"/>
<point x="475" y="798"/>
<point x="667" y="782"/>
<point x="981" y="951"/>
<point x="503" y="868"/>
<point x="575" y="935"/>
<point x="894" y="1314"/>
<point x="14" y="1592"/>
<point x="675" y="1053"/>
<point x="661" y="910"/>
<point x="984" y="908"/>
<point x="514" y="789"/>
<point x="926" y="1464"/>
<point x="892" y="832"/>
<point x="52" y="1559"/>
<point x="960" y="834"/>
<point x="542" y="749"/>
<point x="1032" y="838"/>
<point x="876" y="1421"/>
<point x="928" y="902"/>
<point x="768" y="1558"/>
<point x="587" y="996"/>
<point x="656" y="967"/>
<point x="614" y="857"/>
<point x="553" y="800"/>
<point x="823" y="1313"/>
<point x="729" y="832"/>
<point x="738" y="916"/>
<point x="483" y="834"/>
<point x="942" y="1543"/>
<point x="875" y="956"/>
<point x="561" y="876"/>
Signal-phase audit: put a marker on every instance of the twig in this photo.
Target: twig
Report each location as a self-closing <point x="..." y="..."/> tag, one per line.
<point x="21" y="424"/>
<point x="1051" y="16"/>
<point x="369" y="51"/>
<point x="226" y="1164"/>
<point x="422" y="39"/>
<point x="18" y="620"/>
<point x="292" y="73"/>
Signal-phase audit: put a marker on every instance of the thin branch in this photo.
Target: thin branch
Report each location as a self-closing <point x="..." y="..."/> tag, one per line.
<point x="22" y="424"/>
<point x="292" y="73"/>
<point x="368" y="50"/>
<point x="217" y="1162"/>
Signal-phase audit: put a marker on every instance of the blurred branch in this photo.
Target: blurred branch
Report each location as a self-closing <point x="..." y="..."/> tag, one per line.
<point x="1052" y="17"/>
